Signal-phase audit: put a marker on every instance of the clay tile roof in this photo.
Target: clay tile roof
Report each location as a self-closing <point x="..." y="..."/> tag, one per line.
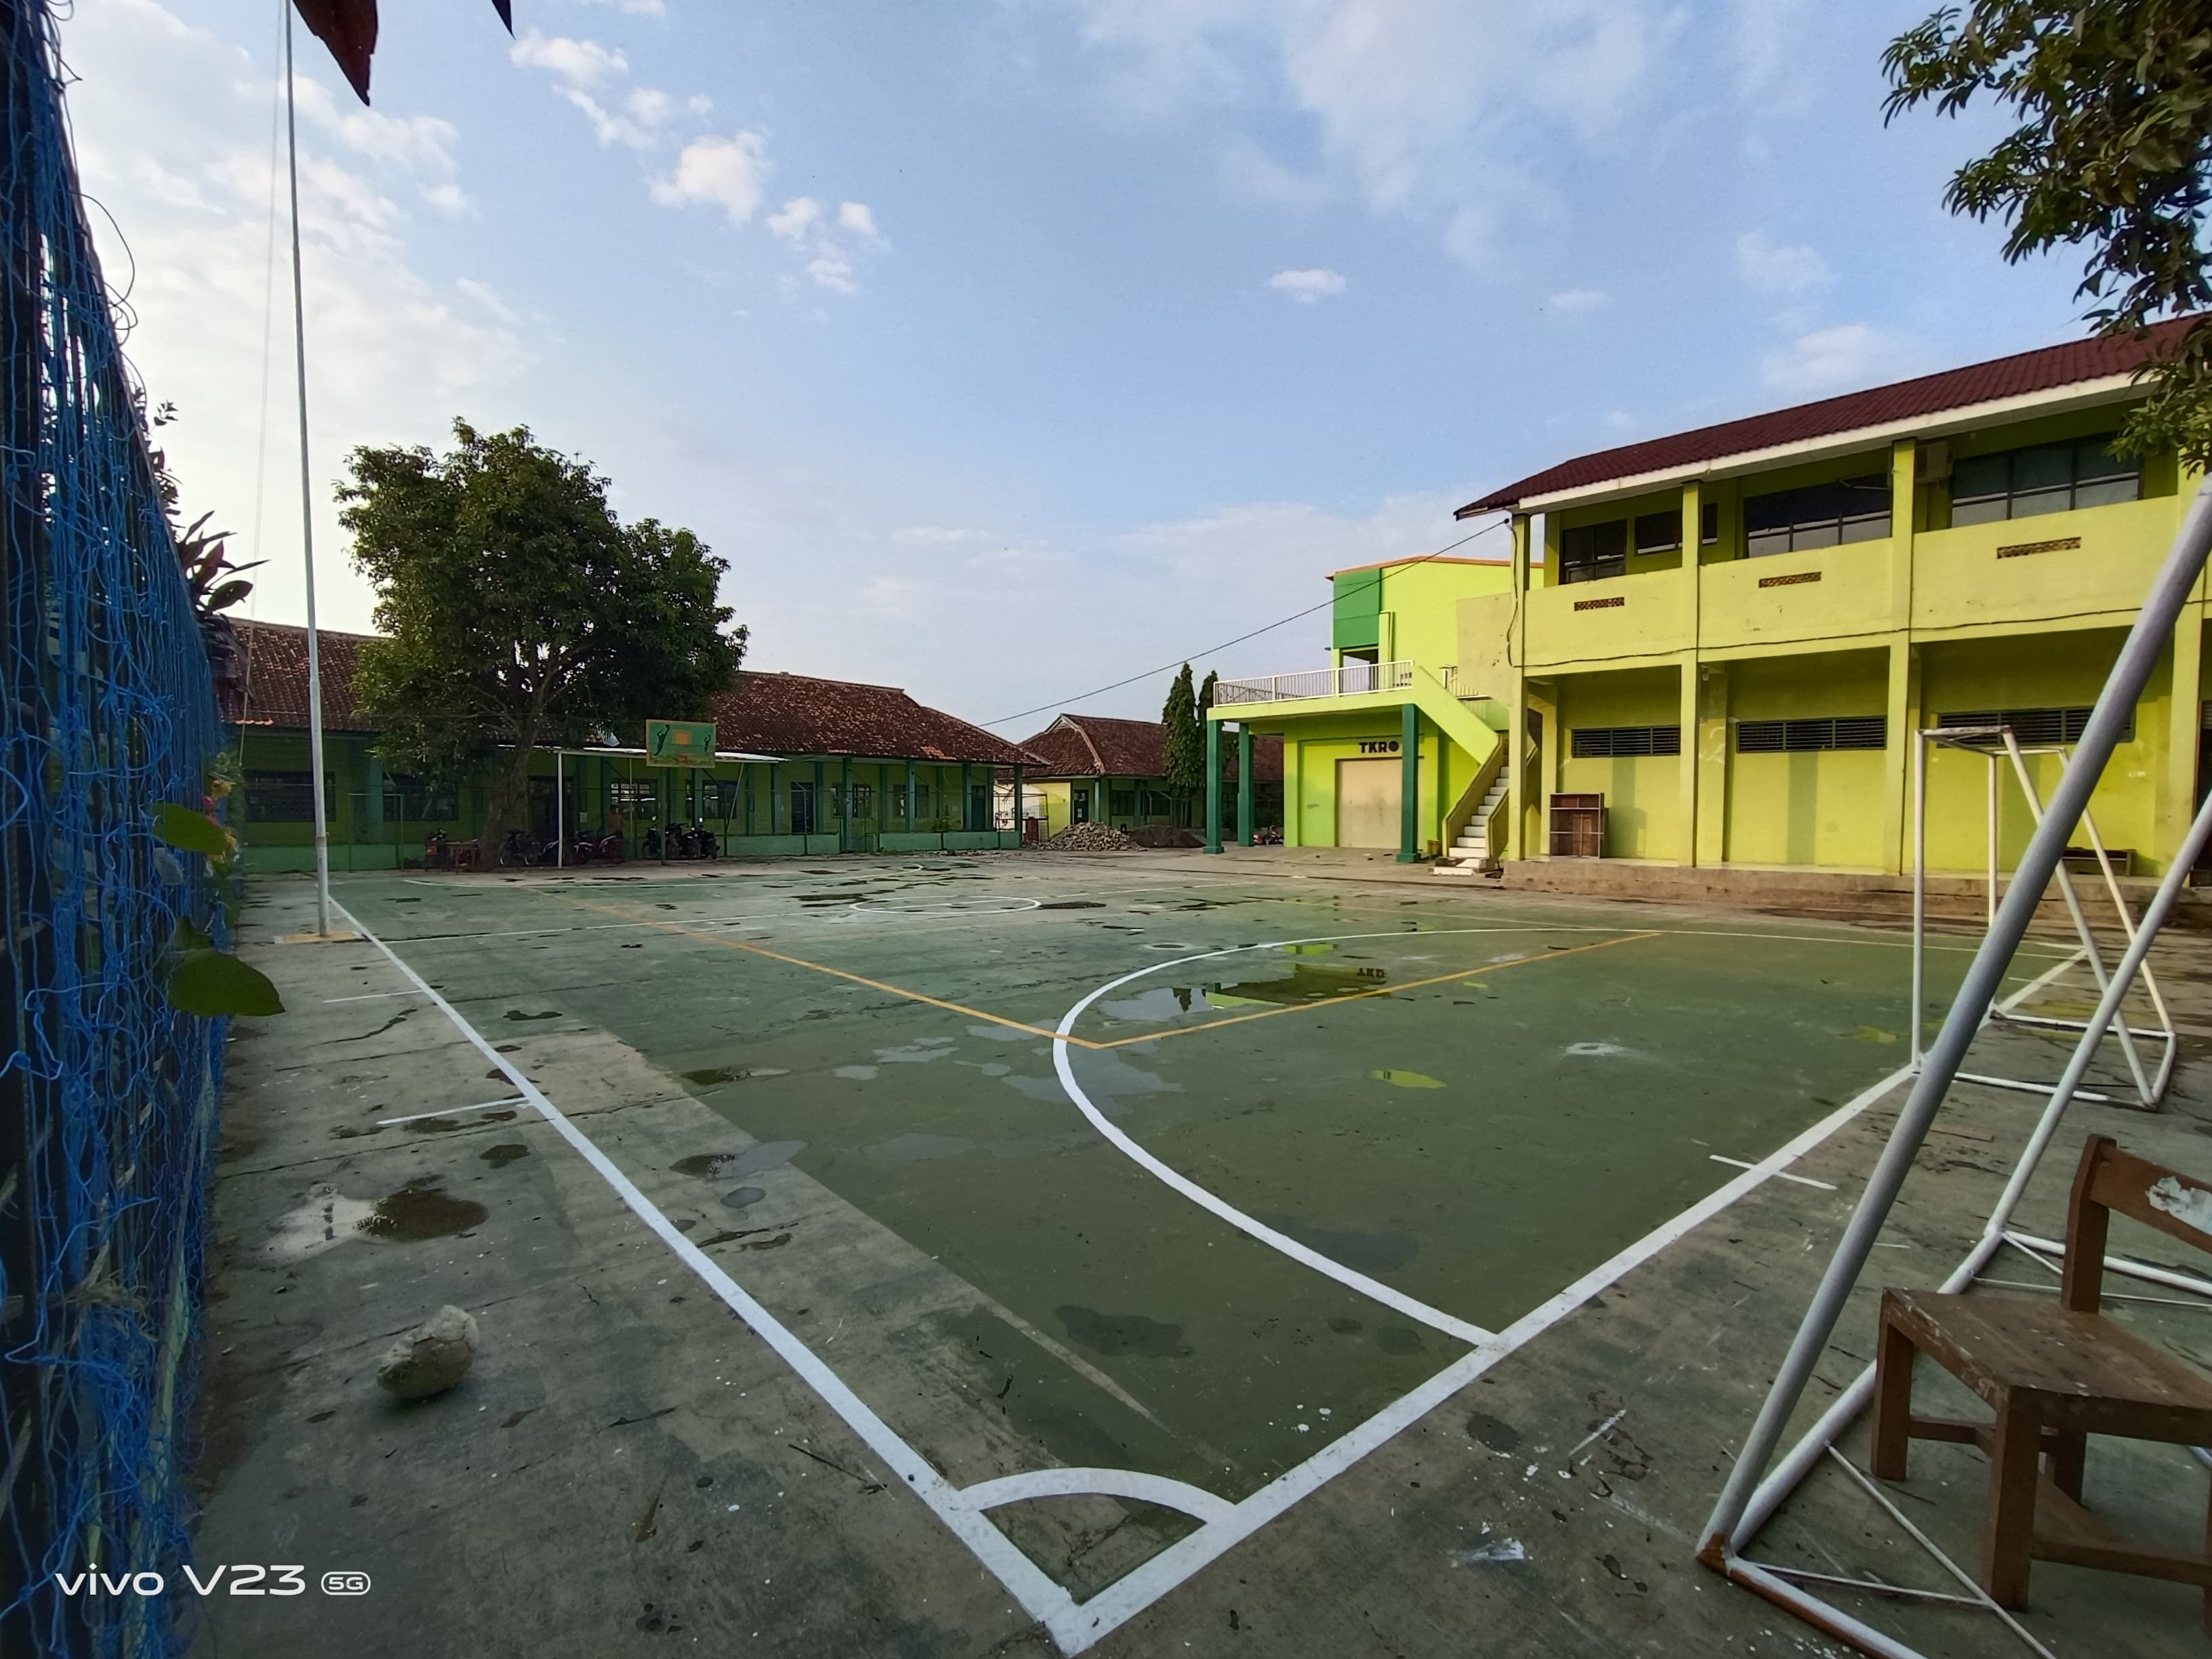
<point x="798" y="715"/>
<point x="1092" y="747"/>
<point x="2023" y="373"/>
<point x="273" y="657"/>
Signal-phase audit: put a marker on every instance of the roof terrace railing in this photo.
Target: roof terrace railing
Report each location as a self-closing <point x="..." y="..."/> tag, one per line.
<point x="1350" y="680"/>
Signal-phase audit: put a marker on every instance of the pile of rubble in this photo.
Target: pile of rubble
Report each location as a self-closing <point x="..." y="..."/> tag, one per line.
<point x="1091" y="838"/>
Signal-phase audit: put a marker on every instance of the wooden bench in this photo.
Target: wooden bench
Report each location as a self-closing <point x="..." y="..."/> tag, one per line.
<point x="2055" y="1375"/>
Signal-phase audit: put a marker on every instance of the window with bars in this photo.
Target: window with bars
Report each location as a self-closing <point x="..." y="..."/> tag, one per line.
<point x="1605" y="742"/>
<point x="1796" y="737"/>
<point x="2018" y="483"/>
<point x="2036" y="725"/>
<point x="407" y="798"/>
<point x="1589" y="551"/>
<point x="1124" y="804"/>
<point x="640" y="798"/>
<point x="1817" y="515"/>
<point x="283" y="797"/>
<point x="802" y="809"/>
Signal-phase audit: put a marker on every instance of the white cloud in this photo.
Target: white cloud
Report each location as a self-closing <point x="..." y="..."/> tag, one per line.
<point x="1417" y="107"/>
<point x="723" y="173"/>
<point x="392" y="350"/>
<point x="634" y="7"/>
<point x="1575" y="299"/>
<point x="795" y="217"/>
<point x="855" y="217"/>
<point x="1848" y="354"/>
<point x="832" y="269"/>
<point x="580" y="63"/>
<point x="1307" y="287"/>
<point x="1777" y="267"/>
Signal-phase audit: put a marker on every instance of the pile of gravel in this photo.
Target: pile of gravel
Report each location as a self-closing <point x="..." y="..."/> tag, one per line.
<point x="1091" y="838"/>
<point x="1167" y="834"/>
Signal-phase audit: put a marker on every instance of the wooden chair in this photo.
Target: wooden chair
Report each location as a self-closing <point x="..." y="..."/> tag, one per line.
<point x="2056" y="1374"/>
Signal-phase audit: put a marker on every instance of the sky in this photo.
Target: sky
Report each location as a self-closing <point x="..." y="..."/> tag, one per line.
<point x="1006" y="349"/>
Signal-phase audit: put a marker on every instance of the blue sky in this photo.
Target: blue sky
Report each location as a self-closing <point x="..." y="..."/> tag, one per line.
<point x="1008" y="347"/>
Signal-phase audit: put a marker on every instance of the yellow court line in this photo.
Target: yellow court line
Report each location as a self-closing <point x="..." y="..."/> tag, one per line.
<point x="1379" y="991"/>
<point x="1086" y="1042"/>
<point x="824" y="968"/>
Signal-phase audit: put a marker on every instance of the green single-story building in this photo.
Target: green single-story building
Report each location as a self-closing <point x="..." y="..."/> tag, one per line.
<point x="840" y="767"/>
<point x="1092" y="769"/>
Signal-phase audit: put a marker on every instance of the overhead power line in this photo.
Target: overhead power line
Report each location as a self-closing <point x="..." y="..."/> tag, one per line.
<point x="1170" y="668"/>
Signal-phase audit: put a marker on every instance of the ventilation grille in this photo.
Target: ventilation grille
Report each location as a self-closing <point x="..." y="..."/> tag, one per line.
<point x="1604" y="742"/>
<point x="2037" y="726"/>
<point x="1795" y="737"/>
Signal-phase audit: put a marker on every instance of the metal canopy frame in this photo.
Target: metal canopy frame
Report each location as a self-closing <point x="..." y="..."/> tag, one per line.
<point x="1751" y="1494"/>
<point x="1997" y="744"/>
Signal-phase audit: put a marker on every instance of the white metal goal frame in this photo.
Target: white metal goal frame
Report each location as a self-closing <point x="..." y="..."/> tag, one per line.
<point x="1753" y="1491"/>
<point x="1997" y="746"/>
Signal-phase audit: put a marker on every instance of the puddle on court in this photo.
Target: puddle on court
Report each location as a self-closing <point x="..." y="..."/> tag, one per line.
<point x="729" y="1166"/>
<point x="505" y="1153"/>
<point x="517" y="1013"/>
<point x="413" y="1213"/>
<point x="1113" y="1334"/>
<point x="1305" y="982"/>
<point x="1362" y="1252"/>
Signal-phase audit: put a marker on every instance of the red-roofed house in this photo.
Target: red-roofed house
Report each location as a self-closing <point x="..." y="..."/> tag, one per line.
<point x="846" y="766"/>
<point x="1730" y="636"/>
<point x="1092" y="769"/>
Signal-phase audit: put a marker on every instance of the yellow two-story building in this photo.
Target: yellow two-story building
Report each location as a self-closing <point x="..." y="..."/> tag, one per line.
<point x="1731" y="634"/>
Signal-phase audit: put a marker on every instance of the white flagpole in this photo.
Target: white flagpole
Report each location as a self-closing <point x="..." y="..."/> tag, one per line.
<point x="307" y="505"/>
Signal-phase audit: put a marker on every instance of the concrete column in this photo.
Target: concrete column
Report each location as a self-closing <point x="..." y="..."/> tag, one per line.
<point x="909" y="797"/>
<point x="845" y="836"/>
<point x="966" y="816"/>
<point x="1710" y="744"/>
<point x="372" y="802"/>
<point x="1686" y="833"/>
<point x="1244" y="784"/>
<point x="1409" y="787"/>
<point x="1018" y="805"/>
<point x="1902" y="709"/>
<point x="1517" y="792"/>
<point x="1213" y="785"/>
<point x="2185" y="730"/>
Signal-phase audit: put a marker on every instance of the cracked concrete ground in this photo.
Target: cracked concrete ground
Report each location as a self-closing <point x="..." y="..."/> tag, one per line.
<point x="629" y="1465"/>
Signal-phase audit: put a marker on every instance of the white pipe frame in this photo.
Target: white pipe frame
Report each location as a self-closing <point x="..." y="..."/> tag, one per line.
<point x="1747" y="1501"/>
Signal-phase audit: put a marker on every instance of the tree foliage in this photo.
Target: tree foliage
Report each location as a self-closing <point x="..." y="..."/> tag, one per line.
<point x="517" y="610"/>
<point x="1185" y="760"/>
<point x="2114" y="100"/>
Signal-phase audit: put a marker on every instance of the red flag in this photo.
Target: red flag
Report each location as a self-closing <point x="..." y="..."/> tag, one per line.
<point x="348" y="27"/>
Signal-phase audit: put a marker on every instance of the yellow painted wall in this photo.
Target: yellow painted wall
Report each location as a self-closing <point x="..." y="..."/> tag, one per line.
<point x="1821" y="807"/>
<point x="1311" y="749"/>
<point x="1643" y="793"/>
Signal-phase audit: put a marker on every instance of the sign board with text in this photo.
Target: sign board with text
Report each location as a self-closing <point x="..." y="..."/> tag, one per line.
<point x="679" y="743"/>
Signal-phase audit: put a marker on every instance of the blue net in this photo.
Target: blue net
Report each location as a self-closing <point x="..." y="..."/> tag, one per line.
<point x="107" y="1096"/>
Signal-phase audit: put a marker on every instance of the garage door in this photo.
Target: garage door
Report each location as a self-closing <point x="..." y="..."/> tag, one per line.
<point x="1368" y="793"/>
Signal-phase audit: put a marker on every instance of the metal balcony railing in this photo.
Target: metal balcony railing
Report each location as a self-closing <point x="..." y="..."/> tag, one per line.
<point x="1348" y="681"/>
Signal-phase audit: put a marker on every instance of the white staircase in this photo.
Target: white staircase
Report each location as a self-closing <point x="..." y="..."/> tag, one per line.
<point x="1472" y="855"/>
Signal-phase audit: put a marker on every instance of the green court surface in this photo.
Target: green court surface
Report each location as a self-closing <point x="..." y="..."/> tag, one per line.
<point x="1400" y="1120"/>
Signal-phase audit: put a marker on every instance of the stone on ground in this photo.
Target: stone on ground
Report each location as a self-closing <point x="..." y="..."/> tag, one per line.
<point x="1091" y="838"/>
<point x="431" y="1358"/>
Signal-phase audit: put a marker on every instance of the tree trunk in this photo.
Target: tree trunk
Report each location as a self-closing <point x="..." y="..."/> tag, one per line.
<point x="507" y="806"/>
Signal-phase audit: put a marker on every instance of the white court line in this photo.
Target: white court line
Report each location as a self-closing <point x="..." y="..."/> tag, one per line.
<point x="1100" y="1483"/>
<point x="1802" y="1180"/>
<point x="1040" y="1598"/>
<point x="371" y="996"/>
<point x="449" y="1111"/>
<point x="1128" y="1596"/>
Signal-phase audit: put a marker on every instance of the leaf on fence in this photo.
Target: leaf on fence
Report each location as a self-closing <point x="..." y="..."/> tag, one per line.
<point x="212" y="983"/>
<point x="189" y="831"/>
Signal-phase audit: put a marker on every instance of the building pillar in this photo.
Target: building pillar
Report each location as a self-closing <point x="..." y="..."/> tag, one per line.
<point x="1409" y="784"/>
<point x="1686" y="768"/>
<point x="909" y="797"/>
<point x="821" y="797"/>
<point x="372" y="804"/>
<point x="1517" y="792"/>
<point x="775" y="793"/>
<point x="2185" y="732"/>
<point x="1710" y="744"/>
<point x="1018" y="805"/>
<point x="1244" y="783"/>
<point x="1902" y="712"/>
<point x="845" y="804"/>
<point x="1213" y="785"/>
<point x="967" y="811"/>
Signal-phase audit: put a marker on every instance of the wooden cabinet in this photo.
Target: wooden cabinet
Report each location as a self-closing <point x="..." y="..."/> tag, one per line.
<point x="1577" y="826"/>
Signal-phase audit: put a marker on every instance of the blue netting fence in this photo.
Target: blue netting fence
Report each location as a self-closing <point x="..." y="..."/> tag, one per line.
<point x="107" y="1097"/>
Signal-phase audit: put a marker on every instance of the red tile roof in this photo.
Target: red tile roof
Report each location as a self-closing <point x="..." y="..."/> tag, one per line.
<point x="2026" y="371"/>
<point x="1092" y="747"/>
<point x="799" y="714"/>
<point x="769" y="714"/>
<point x="273" y="689"/>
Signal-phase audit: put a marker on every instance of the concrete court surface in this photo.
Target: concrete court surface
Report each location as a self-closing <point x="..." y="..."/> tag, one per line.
<point x="838" y="1083"/>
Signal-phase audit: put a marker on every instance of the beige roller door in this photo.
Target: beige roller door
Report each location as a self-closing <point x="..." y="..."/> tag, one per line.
<point x="1368" y="794"/>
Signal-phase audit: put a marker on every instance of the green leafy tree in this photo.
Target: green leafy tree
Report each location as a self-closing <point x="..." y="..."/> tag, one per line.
<point x="517" y="610"/>
<point x="1185" y="746"/>
<point x="2114" y="101"/>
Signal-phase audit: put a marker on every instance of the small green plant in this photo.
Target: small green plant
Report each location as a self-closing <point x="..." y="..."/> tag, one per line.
<point x="204" y="979"/>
